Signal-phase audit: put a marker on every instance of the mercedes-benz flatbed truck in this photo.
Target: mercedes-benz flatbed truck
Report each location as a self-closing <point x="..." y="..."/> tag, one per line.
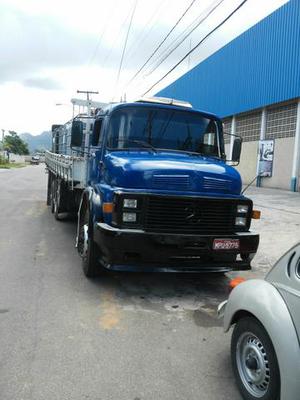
<point x="152" y="189"/>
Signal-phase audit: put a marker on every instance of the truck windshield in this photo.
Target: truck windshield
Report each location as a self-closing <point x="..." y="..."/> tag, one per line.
<point x="163" y="129"/>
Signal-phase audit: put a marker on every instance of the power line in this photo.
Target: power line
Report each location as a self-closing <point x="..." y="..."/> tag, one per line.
<point x="119" y="31"/>
<point x="136" y="44"/>
<point x="162" y="42"/>
<point x="195" y="47"/>
<point x="125" y="44"/>
<point x="101" y="36"/>
<point x="181" y="34"/>
<point x="187" y="32"/>
<point x="164" y="57"/>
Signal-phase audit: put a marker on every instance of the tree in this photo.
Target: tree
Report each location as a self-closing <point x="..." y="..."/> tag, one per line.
<point x="14" y="144"/>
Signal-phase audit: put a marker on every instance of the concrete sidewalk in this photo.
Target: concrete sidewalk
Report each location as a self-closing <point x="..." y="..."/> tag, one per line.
<point x="279" y="226"/>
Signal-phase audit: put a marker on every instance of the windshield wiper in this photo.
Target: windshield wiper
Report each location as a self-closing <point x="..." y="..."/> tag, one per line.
<point x="142" y="143"/>
<point x="192" y="153"/>
<point x="209" y="155"/>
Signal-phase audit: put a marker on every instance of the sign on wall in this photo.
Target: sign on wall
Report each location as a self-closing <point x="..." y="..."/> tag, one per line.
<point x="266" y="156"/>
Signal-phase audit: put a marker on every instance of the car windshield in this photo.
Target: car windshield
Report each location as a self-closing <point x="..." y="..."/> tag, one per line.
<point x="155" y="128"/>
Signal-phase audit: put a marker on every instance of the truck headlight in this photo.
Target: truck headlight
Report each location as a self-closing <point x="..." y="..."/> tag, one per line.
<point x="240" y="221"/>
<point x="130" y="203"/>
<point x="129" y="217"/>
<point x="242" y="208"/>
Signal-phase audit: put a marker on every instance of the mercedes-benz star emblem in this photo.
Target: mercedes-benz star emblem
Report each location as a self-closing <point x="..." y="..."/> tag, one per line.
<point x="193" y="215"/>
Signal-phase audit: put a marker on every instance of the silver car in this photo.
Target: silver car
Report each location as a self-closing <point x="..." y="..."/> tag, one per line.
<point x="265" y="343"/>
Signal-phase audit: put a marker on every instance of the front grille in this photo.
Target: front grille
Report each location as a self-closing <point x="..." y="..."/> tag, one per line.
<point x="189" y="215"/>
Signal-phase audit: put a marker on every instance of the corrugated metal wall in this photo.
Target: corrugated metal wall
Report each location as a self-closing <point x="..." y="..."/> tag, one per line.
<point x="259" y="68"/>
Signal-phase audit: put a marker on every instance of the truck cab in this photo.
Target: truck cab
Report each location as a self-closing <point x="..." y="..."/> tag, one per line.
<point x="159" y="194"/>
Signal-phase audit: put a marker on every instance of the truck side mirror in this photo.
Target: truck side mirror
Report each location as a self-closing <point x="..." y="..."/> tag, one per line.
<point x="236" y="150"/>
<point x="96" y="132"/>
<point x="76" y="133"/>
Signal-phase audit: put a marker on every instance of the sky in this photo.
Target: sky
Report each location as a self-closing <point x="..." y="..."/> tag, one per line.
<point x="50" y="49"/>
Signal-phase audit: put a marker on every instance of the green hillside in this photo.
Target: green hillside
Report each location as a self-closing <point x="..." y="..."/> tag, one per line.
<point x="37" y="143"/>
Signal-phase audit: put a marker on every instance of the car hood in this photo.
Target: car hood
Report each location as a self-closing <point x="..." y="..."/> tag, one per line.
<point x="170" y="171"/>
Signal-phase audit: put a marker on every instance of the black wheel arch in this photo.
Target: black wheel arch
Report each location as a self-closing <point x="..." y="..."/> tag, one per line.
<point x="90" y="199"/>
<point x="85" y="201"/>
<point x="242" y="314"/>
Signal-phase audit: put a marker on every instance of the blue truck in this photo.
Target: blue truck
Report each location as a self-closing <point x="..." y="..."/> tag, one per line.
<point x="152" y="189"/>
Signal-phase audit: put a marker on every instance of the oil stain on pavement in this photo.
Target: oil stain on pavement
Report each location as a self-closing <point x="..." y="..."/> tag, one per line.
<point x="176" y="297"/>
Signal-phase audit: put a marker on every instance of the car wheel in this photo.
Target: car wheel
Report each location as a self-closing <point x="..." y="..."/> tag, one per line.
<point x="254" y="361"/>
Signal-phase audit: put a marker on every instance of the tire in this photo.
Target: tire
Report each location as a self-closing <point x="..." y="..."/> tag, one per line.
<point x="48" y="202"/>
<point x="87" y="248"/>
<point x="52" y="195"/>
<point x="254" y="361"/>
<point x="58" y="201"/>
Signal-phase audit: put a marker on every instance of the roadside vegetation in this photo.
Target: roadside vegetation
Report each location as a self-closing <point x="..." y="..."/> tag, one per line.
<point x="12" y="143"/>
<point x="4" y="164"/>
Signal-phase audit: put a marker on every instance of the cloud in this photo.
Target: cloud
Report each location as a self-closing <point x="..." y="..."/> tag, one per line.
<point x="30" y="44"/>
<point x="42" y="83"/>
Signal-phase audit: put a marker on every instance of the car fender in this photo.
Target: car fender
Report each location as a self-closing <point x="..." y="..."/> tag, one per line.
<point x="264" y="302"/>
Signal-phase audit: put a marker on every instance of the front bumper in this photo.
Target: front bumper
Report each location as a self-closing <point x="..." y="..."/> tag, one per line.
<point x="129" y="249"/>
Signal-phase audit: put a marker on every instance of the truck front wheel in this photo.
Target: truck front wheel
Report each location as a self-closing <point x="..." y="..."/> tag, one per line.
<point x="87" y="248"/>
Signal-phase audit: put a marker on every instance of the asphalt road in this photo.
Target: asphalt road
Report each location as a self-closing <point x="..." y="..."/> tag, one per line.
<point x="121" y="337"/>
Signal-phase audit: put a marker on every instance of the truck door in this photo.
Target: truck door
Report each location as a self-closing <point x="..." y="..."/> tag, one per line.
<point x="97" y="150"/>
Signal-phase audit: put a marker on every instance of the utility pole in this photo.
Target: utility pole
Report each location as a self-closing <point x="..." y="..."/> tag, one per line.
<point x="88" y="92"/>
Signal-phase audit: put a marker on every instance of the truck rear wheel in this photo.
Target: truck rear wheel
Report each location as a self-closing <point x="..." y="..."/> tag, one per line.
<point x="52" y="195"/>
<point x="49" y="189"/>
<point x="57" y="202"/>
<point x="87" y="248"/>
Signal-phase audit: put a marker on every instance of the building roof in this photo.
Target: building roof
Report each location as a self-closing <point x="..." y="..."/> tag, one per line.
<point x="258" y="68"/>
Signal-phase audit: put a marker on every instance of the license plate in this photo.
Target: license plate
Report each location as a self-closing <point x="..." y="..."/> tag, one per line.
<point x="226" y="244"/>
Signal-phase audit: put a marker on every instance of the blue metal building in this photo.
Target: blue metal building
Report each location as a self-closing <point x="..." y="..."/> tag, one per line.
<point x="253" y="83"/>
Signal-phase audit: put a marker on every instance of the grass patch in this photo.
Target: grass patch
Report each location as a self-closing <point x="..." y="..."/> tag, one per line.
<point x="12" y="165"/>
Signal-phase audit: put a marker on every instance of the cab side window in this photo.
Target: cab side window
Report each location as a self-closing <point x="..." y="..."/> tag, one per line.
<point x="97" y="132"/>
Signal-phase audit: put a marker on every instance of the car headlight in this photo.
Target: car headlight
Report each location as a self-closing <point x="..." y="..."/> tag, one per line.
<point x="240" y="221"/>
<point x="129" y="217"/>
<point x="130" y="203"/>
<point x="242" y="208"/>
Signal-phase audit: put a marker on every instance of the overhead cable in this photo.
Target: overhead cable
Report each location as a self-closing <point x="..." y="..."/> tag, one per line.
<point x="164" y="57"/>
<point x="142" y="37"/>
<point x="101" y="36"/>
<point x="162" y="42"/>
<point x="125" y="44"/>
<point x="196" y="46"/>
